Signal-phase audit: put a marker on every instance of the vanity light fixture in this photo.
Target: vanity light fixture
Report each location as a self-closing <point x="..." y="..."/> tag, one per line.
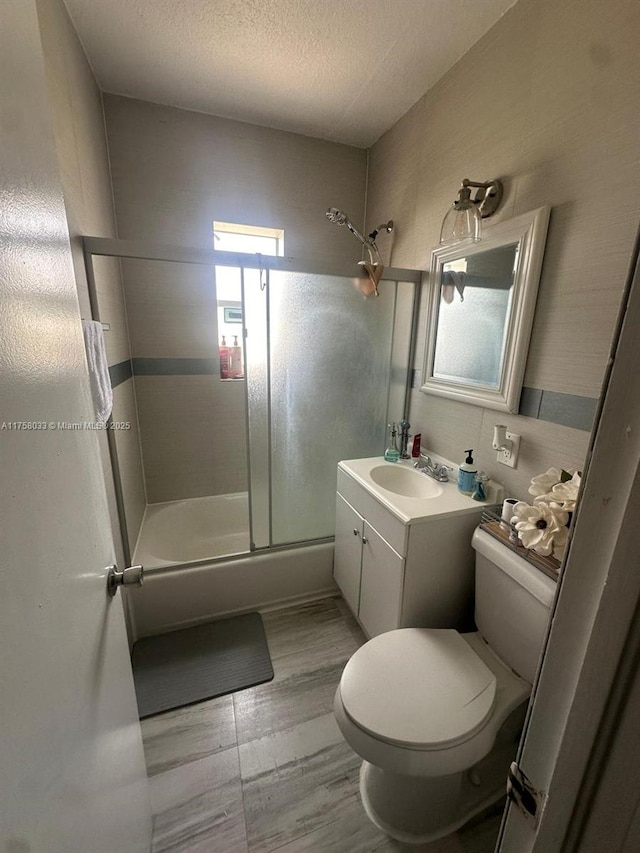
<point x="463" y="219"/>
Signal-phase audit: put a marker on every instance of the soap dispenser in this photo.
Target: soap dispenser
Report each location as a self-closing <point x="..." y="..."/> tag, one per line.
<point x="392" y="454"/>
<point x="467" y="475"/>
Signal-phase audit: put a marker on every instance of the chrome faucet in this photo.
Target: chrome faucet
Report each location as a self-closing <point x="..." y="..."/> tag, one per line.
<point x="432" y="468"/>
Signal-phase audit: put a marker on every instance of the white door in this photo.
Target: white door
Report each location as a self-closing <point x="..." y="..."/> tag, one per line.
<point x="580" y="749"/>
<point x="72" y="776"/>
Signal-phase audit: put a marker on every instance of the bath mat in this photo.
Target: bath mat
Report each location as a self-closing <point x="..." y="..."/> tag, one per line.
<point x="194" y="664"/>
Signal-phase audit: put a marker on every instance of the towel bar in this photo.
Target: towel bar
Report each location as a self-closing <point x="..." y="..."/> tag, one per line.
<point x="106" y="327"/>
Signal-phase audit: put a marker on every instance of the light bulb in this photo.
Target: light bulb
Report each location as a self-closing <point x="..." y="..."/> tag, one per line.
<point x="461" y="223"/>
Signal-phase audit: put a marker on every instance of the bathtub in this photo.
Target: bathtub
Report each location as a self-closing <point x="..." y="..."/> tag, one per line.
<point x="186" y="582"/>
<point x="183" y="531"/>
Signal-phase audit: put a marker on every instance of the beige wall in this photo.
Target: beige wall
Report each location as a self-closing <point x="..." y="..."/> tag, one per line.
<point x="84" y="167"/>
<point x="549" y="101"/>
<point x="174" y="173"/>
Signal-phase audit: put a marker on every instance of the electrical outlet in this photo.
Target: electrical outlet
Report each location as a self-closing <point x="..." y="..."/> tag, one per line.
<point x="510" y="457"/>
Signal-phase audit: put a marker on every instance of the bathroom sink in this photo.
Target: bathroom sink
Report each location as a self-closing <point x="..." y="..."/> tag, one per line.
<point x="408" y="494"/>
<point x="405" y="481"/>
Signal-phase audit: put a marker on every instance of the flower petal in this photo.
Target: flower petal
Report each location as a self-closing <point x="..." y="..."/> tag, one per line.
<point x="524" y="512"/>
<point x="543" y="483"/>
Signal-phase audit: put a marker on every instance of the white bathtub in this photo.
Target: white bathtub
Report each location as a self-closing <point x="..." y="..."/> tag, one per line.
<point x="194" y="529"/>
<point x="177" y="596"/>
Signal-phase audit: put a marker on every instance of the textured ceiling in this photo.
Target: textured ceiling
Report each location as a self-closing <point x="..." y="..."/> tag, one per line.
<point x="344" y="70"/>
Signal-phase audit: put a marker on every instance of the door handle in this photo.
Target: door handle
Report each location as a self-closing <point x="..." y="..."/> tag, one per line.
<point x="131" y="576"/>
<point x="364" y="540"/>
<point x="356" y="532"/>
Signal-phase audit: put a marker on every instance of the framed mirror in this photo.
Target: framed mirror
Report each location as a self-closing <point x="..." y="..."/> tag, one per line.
<point x="481" y="308"/>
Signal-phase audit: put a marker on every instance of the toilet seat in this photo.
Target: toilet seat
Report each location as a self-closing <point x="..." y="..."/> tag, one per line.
<point x="420" y="754"/>
<point x="389" y="679"/>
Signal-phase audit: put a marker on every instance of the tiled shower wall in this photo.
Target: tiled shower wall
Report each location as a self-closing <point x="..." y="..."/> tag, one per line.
<point x="86" y="181"/>
<point x="548" y="101"/>
<point x="174" y="172"/>
<point x="192" y="423"/>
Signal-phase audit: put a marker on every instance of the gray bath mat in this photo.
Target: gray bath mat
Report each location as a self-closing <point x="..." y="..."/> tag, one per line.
<point x="199" y="663"/>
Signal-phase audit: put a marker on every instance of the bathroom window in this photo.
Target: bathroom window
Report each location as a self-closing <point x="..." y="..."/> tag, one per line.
<point x="233" y="237"/>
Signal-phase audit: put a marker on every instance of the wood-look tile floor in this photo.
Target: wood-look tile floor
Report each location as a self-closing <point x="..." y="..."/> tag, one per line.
<point x="267" y="769"/>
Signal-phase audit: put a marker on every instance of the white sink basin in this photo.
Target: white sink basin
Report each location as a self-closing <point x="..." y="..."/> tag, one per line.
<point x="405" y="481"/>
<point x="410" y="495"/>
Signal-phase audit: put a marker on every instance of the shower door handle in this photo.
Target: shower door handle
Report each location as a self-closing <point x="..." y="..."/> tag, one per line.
<point x="131" y="576"/>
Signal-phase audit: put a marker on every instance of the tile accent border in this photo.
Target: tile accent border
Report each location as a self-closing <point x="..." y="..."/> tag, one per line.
<point x="119" y="373"/>
<point x="567" y="409"/>
<point x="175" y="366"/>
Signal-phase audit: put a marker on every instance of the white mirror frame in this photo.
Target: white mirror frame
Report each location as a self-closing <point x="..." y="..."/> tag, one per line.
<point x="529" y="231"/>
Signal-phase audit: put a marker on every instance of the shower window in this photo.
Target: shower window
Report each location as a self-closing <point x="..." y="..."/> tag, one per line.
<point x="233" y="237"/>
<point x="250" y="239"/>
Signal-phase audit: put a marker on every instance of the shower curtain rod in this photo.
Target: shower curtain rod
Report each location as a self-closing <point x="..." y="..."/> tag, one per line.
<point x="142" y="250"/>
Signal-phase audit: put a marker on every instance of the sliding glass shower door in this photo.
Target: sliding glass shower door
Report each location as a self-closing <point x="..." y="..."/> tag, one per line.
<point x="330" y="378"/>
<point x="245" y="380"/>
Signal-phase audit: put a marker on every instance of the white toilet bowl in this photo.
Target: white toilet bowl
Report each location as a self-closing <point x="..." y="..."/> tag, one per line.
<point x="435" y="715"/>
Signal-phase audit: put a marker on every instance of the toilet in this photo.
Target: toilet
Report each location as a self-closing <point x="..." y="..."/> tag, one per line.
<point x="435" y="714"/>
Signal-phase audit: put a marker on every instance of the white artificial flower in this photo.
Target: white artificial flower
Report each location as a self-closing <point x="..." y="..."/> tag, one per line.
<point x="560" y="543"/>
<point x="566" y="494"/>
<point x="543" y="483"/>
<point x="541" y="526"/>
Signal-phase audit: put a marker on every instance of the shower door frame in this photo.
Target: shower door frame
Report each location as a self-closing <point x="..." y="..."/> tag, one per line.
<point x="149" y="251"/>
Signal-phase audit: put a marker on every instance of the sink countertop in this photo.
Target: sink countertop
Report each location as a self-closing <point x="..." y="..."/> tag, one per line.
<point x="408" y="509"/>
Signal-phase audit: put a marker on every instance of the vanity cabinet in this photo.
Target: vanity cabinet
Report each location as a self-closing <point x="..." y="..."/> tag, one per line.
<point x="367" y="570"/>
<point x="398" y="575"/>
<point x="347" y="558"/>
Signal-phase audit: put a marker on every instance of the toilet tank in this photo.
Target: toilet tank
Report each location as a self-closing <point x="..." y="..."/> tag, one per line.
<point x="512" y="604"/>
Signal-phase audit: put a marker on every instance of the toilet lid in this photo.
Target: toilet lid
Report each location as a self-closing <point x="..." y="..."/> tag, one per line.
<point x="417" y="687"/>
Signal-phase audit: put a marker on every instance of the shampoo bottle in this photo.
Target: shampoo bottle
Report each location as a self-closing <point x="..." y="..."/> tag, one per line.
<point x="467" y="475"/>
<point x="236" y="370"/>
<point x="223" y="351"/>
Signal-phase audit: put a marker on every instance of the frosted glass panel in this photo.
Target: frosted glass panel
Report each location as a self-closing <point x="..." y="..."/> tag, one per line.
<point x="330" y="357"/>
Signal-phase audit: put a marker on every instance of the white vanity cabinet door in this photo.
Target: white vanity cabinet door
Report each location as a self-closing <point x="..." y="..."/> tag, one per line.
<point x="381" y="586"/>
<point x="348" y="552"/>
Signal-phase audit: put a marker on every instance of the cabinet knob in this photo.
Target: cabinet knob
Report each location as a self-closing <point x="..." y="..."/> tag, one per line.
<point x="364" y="540"/>
<point x="356" y="532"/>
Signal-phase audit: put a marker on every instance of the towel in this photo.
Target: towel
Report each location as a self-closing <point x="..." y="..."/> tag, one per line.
<point x="98" y="369"/>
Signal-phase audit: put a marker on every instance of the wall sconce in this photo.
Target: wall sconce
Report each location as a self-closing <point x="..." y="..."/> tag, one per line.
<point x="463" y="220"/>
